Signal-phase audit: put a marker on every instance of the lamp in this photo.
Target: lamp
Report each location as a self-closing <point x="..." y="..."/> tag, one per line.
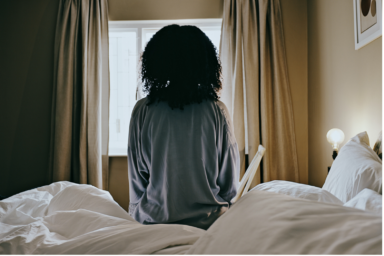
<point x="335" y="137"/>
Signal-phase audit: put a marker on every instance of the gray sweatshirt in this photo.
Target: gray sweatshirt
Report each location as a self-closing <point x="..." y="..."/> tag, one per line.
<point x="183" y="165"/>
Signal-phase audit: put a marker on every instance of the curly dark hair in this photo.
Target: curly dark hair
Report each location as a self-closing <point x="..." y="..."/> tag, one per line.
<point x="180" y="65"/>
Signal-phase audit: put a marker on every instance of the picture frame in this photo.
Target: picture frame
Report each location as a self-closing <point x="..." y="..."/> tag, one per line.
<point x="367" y="21"/>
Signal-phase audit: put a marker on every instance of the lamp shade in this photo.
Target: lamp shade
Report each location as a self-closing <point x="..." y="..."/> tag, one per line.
<point x="335" y="137"/>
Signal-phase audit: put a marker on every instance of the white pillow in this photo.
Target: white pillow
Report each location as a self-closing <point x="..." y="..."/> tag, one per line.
<point x="299" y="191"/>
<point x="356" y="167"/>
<point x="367" y="200"/>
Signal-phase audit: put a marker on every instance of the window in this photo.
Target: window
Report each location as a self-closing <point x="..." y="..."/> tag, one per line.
<point x="127" y="40"/>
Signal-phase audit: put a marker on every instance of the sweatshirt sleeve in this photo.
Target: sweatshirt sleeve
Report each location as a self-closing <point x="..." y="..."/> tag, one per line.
<point x="138" y="173"/>
<point x="229" y="162"/>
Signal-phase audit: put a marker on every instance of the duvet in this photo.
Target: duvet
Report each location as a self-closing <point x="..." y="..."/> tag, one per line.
<point x="67" y="218"/>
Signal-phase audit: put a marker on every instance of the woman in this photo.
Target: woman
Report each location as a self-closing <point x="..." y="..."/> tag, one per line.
<point x="183" y="159"/>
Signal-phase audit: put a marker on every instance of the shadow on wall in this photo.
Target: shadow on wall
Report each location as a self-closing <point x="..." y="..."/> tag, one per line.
<point x="26" y="49"/>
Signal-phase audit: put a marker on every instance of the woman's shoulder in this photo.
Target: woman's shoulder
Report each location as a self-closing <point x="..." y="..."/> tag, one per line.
<point x="142" y="105"/>
<point x="139" y="107"/>
<point x="228" y="121"/>
<point x="141" y="102"/>
<point x="222" y="107"/>
<point x="224" y="111"/>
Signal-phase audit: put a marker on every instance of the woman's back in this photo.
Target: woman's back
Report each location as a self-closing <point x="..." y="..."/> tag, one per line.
<point x="183" y="164"/>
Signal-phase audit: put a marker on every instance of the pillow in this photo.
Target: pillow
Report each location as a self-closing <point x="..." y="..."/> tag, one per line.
<point x="377" y="146"/>
<point x="299" y="191"/>
<point x="367" y="200"/>
<point x="355" y="168"/>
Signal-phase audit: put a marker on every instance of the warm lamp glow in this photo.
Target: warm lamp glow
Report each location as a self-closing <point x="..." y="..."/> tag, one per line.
<point x="335" y="137"/>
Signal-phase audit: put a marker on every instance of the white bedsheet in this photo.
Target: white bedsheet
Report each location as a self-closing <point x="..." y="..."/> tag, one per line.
<point x="65" y="218"/>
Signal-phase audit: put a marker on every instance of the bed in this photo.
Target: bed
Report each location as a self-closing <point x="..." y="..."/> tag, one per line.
<point x="277" y="217"/>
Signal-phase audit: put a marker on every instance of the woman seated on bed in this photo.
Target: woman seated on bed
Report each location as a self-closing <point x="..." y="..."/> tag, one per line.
<point x="183" y="159"/>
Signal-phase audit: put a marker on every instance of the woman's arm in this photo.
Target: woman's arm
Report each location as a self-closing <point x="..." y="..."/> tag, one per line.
<point x="228" y="178"/>
<point x="138" y="174"/>
<point x="229" y="162"/>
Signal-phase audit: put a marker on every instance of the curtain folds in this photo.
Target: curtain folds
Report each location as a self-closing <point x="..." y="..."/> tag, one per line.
<point x="81" y="76"/>
<point x="256" y="85"/>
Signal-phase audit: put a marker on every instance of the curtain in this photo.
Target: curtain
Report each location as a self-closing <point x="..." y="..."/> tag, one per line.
<point x="256" y="86"/>
<point x="81" y="85"/>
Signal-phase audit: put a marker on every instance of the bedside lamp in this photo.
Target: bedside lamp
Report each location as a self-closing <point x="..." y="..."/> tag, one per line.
<point x="335" y="137"/>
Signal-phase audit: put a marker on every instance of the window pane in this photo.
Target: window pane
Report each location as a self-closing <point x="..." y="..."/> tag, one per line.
<point x="213" y="33"/>
<point x="214" y="36"/>
<point x="148" y="34"/>
<point x="123" y="79"/>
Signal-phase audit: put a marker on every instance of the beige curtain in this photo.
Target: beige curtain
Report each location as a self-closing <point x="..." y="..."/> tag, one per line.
<point x="80" y="86"/>
<point x="256" y="85"/>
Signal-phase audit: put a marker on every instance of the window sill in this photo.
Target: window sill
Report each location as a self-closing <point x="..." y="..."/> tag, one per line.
<point x="117" y="153"/>
<point x="110" y="155"/>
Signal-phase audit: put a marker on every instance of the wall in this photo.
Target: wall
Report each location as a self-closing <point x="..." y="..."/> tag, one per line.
<point x="345" y="85"/>
<point x="26" y="74"/>
<point x="164" y="9"/>
<point x="295" y="27"/>
<point x="118" y="180"/>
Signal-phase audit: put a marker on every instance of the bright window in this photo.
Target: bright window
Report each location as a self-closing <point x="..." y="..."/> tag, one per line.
<point x="127" y="40"/>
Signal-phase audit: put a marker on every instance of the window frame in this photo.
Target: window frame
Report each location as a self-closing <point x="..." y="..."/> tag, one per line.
<point x="140" y="25"/>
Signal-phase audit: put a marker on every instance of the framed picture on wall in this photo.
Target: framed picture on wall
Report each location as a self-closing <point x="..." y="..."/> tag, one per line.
<point x="368" y="23"/>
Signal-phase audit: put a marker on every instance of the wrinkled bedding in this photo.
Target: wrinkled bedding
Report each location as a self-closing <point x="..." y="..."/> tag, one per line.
<point x="264" y="222"/>
<point x="299" y="191"/>
<point x="367" y="200"/>
<point x="66" y="218"/>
